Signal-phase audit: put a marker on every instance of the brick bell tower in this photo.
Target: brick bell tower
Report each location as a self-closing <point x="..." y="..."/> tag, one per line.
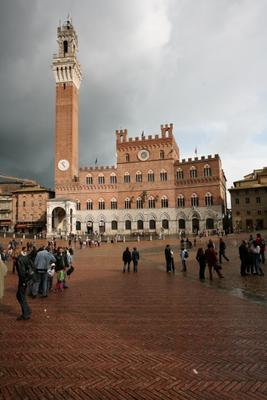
<point x="67" y="73"/>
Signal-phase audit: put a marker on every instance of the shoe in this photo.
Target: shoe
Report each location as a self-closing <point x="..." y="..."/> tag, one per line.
<point x="21" y="318"/>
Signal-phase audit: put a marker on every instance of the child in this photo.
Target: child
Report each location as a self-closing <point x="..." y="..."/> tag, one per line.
<point x="60" y="280"/>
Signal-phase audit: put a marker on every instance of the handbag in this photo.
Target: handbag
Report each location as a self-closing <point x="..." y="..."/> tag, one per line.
<point x="70" y="270"/>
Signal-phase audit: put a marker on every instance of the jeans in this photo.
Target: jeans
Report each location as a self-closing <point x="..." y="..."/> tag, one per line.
<point x="135" y="265"/>
<point x="21" y="297"/>
<point x="40" y="284"/>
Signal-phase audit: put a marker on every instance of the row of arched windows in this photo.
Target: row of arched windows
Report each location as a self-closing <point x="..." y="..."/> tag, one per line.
<point x="163" y="176"/>
<point x="139" y="202"/>
<point x="194" y="200"/>
<point x="193" y="172"/>
<point x="152" y="223"/>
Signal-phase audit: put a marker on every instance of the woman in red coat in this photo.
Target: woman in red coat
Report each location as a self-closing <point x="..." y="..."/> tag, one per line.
<point x="212" y="261"/>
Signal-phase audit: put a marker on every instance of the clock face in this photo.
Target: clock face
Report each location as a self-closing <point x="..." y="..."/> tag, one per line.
<point x="63" y="165"/>
<point x="143" y="155"/>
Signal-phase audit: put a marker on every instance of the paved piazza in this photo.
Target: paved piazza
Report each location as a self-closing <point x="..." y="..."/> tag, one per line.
<point x="145" y="336"/>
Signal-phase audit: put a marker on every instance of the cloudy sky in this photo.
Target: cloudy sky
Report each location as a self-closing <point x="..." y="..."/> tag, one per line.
<point x="201" y="65"/>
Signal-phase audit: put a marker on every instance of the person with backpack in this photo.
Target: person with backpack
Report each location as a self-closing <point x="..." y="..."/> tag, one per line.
<point x="25" y="271"/>
<point x="184" y="256"/>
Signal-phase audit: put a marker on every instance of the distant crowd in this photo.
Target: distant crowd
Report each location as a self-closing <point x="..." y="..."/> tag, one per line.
<point x="48" y="268"/>
<point x="251" y="254"/>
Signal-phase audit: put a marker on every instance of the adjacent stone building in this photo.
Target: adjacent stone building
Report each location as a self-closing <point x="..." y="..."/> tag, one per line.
<point x="249" y="201"/>
<point x="23" y="205"/>
<point x="149" y="190"/>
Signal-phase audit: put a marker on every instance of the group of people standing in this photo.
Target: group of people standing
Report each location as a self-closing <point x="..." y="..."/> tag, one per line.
<point x="128" y="257"/>
<point x="204" y="257"/>
<point x="36" y="270"/>
<point x="252" y="256"/>
<point x="169" y="257"/>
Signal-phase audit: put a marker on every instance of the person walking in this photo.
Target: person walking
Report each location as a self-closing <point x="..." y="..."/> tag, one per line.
<point x="126" y="258"/>
<point x="24" y="270"/>
<point x="201" y="259"/>
<point x="222" y="247"/>
<point x="212" y="261"/>
<point x="168" y="258"/>
<point x="3" y="272"/>
<point x="135" y="258"/>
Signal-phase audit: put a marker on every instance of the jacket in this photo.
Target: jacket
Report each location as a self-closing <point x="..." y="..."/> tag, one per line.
<point x="24" y="268"/>
<point x="43" y="260"/>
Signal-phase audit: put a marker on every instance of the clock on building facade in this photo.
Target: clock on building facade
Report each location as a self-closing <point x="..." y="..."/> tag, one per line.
<point x="143" y="155"/>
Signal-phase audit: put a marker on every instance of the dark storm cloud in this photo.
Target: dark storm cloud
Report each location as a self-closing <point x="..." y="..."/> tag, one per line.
<point x="202" y="67"/>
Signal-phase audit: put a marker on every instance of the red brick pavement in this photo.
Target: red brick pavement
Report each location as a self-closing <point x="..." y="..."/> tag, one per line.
<point x="144" y="336"/>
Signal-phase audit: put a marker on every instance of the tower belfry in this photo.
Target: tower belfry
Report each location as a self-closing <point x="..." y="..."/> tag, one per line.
<point x="67" y="74"/>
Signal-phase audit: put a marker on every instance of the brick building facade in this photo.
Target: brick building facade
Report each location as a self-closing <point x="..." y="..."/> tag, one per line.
<point x="149" y="190"/>
<point x="249" y="201"/>
<point x="23" y="205"/>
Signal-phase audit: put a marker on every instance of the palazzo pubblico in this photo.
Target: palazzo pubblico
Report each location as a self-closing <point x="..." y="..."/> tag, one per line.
<point x="149" y="190"/>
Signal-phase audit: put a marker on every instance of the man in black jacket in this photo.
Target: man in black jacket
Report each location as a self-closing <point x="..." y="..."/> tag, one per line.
<point x="24" y="270"/>
<point x="126" y="258"/>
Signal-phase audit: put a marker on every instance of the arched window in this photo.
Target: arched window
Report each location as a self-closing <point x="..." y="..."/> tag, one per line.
<point x="101" y="204"/>
<point x="127" y="203"/>
<point x="161" y="155"/>
<point x="150" y="176"/>
<point x="138" y="176"/>
<point x="127" y="178"/>
<point x="128" y="225"/>
<point x="209" y="223"/>
<point x="194" y="200"/>
<point x="65" y="45"/>
<point x="114" y="225"/>
<point x="89" y="180"/>
<point x="78" y="225"/>
<point x="140" y="224"/>
<point x="180" y="201"/>
<point x="151" y="202"/>
<point x="208" y="199"/>
<point x="89" y="204"/>
<point x="113" y="178"/>
<point x="193" y="172"/>
<point x="181" y="223"/>
<point x="165" y="224"/>
<point x="207" y="170"/>
<point x="127" y="157"/>
<point x="78" y="204"/>
<point x="163" y="175"/>
<point x="164" y="202"/>
<point x="139" y="202"/>
<point x="179" y="174"/>
<point x="113" y="204"/>
<point x="152" y="224"/>
<point x="101" y="179"/>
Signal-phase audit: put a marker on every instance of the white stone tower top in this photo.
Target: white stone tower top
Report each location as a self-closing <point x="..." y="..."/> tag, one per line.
<point x="65" y="65"/>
